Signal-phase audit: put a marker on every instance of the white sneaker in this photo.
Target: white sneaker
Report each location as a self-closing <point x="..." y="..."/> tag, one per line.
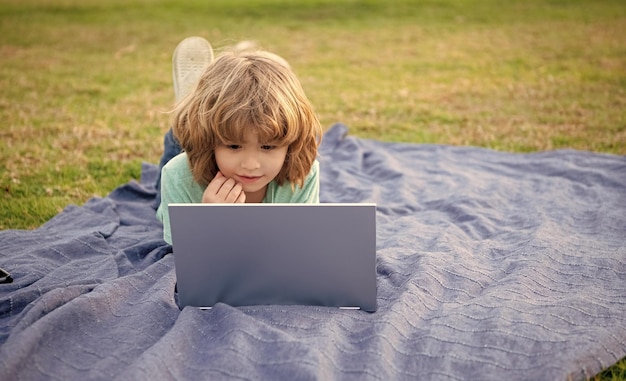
<point x="189" y="60"/>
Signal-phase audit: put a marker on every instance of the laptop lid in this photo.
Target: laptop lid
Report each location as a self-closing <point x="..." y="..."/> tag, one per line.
<point x="249" y="254"/>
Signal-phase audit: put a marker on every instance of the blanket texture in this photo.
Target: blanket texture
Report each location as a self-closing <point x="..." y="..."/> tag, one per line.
<point x="490" y="266"/>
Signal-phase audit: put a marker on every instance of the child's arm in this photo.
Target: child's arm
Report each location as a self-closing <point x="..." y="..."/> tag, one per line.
<point x="177" y="186"/>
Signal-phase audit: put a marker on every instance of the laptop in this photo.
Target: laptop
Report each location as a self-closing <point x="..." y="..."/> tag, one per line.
<point x="259" y="254"/>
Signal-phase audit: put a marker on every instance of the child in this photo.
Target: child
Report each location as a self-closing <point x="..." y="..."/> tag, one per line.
<point x="248" y="134"/>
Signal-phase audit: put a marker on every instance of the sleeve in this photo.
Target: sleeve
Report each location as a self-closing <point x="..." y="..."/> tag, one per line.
<point x="166" y="198"/>
<point x="310" y="192"/>
<point x="177" y="186"/>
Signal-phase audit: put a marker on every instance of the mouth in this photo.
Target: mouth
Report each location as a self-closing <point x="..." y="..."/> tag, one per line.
<point x="248" y="179"/>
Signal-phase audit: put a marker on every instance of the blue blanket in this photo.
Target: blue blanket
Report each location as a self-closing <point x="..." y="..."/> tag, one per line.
<point x="490" y="266"/>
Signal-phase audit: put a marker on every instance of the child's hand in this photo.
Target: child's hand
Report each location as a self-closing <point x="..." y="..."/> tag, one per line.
<point x="223" y="190"/>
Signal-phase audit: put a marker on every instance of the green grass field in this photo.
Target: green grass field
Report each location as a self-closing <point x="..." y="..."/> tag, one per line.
<point x="85" y="85"/>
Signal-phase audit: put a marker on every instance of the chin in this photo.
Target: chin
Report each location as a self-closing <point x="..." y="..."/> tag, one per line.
<point x="254" y="189"/>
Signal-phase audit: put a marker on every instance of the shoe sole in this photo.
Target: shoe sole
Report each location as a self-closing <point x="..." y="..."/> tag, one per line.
<point x="189" y="60"/>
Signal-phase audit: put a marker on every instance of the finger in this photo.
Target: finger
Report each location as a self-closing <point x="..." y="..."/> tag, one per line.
<point x="225" y="189"/>
<point x="216" y="183"/>
<point x="242" y="198"/>
<point x="210" y="193"/>
<point x="234" y="193"/>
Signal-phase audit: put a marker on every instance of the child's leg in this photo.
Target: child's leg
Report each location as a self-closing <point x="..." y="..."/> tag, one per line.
<point x="189" y="60"/>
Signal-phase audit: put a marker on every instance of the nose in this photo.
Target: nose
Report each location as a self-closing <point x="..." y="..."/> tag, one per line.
<point x="250" y="162"/>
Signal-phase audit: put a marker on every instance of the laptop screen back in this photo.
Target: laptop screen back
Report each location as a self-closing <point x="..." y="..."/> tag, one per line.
<point x="247" y="254"/>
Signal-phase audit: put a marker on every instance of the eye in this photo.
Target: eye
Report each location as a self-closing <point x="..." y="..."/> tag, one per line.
<point x="233" y="146"/>
<point x="267" y="147"/>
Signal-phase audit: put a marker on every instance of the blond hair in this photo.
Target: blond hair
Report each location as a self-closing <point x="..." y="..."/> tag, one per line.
<point x="248" y="90"/>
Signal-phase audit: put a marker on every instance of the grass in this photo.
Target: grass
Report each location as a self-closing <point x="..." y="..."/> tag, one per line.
<point x="85" y="85"/>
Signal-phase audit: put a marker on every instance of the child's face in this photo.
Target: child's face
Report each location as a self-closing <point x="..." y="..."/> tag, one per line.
<point x="250" y="163"/>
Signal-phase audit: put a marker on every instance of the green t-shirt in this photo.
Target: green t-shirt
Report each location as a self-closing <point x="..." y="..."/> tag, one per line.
<point x="179" y="186"/>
